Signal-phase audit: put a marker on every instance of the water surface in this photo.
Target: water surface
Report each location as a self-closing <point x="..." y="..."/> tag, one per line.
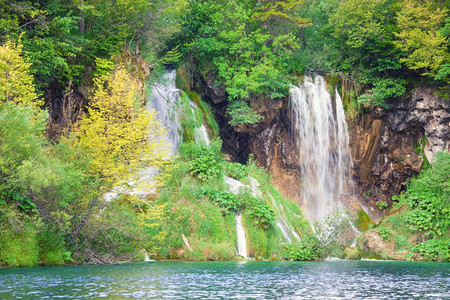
<point x="231" y="280"/>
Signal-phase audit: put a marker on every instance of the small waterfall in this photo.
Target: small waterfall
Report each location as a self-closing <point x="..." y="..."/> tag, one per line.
<point x="164" y="100"/>
<point x="146" y="258"/>
<point x="322" y="139"/>
<point x="235" y="186"/>
<point x="287" y="231"/>
<point x="240" y="234"/>
<point x="200" y="133"/>
<point x="284" y="231"/>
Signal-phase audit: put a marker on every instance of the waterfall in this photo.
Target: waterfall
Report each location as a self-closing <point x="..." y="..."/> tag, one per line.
<point x="240" y="234"/>
<point x="164" y="100"/>
<point x="322" y="140"/>
<point x="200" y="133"/>
<point x="285" y="227"/>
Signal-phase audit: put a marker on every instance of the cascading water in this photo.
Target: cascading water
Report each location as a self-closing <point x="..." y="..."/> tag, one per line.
<point x="320" y="131"/>
<point x="240" y="235"/>
<point x="284" y="226"/>
<point x="164" y="100"/>
<point x="200" y="133"/>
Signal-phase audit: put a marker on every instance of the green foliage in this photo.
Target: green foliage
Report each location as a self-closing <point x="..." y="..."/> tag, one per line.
<point x="421" y="39"/>
<point x="383" y="89"/>
<point x="225" y="200"/>
<point x="248" y="58"/>
<point x="205" y="162"/>
<point x="192" y="150"/>
<point x="428" y="199"/>
<point x="306" y="249"/>
<point x="359" y="23"/>
<point x="62" y="39"/>
<point x="381" y="205"/>
<point x="172" y="56"/>
<point x="260" y="213"/>
<point x="432" y="250"/>
<point x="384" y="232"/>
<point x="236" y="170"/>
<point x="241" y="113"/>
<point x="16" y="83"/>
<point x="206" y="166"/>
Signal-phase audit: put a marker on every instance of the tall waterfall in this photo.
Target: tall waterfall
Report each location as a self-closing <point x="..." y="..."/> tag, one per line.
<point x="164" y="99"/>
<point x="322" y="140"/>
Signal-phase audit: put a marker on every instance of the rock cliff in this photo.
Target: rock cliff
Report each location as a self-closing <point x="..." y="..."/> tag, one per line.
<point x="387" y="146"/>
<point x="390" y="146"/>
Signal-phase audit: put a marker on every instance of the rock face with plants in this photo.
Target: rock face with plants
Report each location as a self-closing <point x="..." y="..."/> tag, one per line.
<point x="75" y="78"/>
<point x="390" y="146"/>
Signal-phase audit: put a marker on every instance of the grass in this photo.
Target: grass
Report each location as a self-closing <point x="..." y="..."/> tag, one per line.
<point x="19" y="249"/>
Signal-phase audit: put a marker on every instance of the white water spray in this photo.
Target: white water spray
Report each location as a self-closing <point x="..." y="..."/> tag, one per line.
<point x="200" y="133"/>
<point x="240" y="234"/>
<point x="322" y="139"/>
<point x="164" y="100"/>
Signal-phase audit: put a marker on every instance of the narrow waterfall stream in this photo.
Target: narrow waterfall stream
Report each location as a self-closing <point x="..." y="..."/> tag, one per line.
<point x="200" y="133"/>
<point x="320" y="131"/>
<point x="164" y="99"/>
<point x="240" y="235"/>
<point x="285" y="227"/>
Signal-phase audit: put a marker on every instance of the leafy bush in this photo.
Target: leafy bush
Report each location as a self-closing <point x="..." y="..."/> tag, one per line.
<point x="261" y="214"/>
<point x="226" y="200"/>
<point x="306" y="249"/>
<point x="206" y="167"/>
<point x="432" y="250"/>
<point x="241" y="113"/>
<point x="204" y="161"/>
<point x="236" y="170"/>
<point x="383" y="89"/>
<point x="428" y="198"/>
<point x="384" y="232"/>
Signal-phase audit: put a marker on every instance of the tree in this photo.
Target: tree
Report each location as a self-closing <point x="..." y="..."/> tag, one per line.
<point x="226" y="37"/>
<point x="16" y="82"/>
<point x="419" y="36"/>
<point x="118" y="136"/>
<point x="361" y="22"/>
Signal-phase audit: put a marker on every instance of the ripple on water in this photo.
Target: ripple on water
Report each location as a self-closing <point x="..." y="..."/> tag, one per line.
<point x="231" y="280"/>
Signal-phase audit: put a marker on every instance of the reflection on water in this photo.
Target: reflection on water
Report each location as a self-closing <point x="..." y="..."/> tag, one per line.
<point x="237" y="280"/>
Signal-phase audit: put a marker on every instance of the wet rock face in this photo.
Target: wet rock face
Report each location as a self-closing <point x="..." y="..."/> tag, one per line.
<point x="433" y="114"/>
<point x="386" y="145"/>
<point x="270" y="141"/>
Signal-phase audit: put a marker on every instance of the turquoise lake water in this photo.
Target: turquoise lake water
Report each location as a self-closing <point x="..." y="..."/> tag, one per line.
<point x="231" y="280"/>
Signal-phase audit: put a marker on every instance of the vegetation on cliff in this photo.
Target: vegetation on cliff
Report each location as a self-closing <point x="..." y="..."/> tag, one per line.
<point x="377" y="48"/>
<point x="72" y="123"/>
<point x="419" y="224"/>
